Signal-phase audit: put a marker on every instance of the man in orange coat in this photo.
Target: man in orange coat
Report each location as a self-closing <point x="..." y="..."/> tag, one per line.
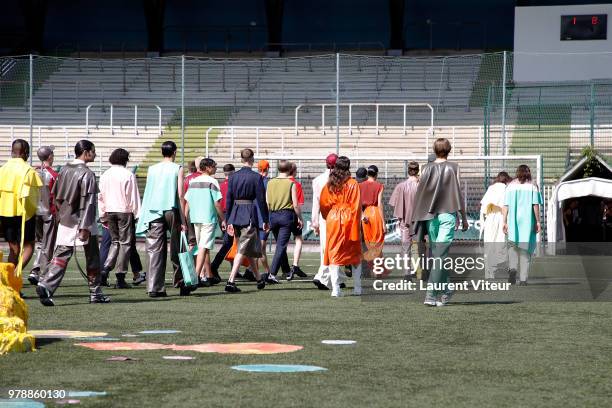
<point x="341" y="208"/>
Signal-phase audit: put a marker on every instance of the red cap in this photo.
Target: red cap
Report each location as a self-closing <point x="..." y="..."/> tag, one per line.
<point x="263" y="165"/>
<point x="330" y="160"/>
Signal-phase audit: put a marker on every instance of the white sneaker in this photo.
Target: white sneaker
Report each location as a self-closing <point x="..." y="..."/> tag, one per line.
<point x="444" y="299"/>
<point x="337" y="293"/>
<point x="430" y="301"/>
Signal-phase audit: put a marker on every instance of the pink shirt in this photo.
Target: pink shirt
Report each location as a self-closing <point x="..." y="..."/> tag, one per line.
<point x="118" y="192"/>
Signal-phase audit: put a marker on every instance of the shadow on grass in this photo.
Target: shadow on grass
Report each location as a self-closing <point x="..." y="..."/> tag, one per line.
<point x="278" y="287"/>
<point x="114" y="300"/>
<point x="552" y="283"/>
<point x="485" y="302"/>
<point x="209" y="294"/>
<point x="42" y="343"/>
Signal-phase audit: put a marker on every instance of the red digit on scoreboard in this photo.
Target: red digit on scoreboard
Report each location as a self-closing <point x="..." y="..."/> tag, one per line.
<point x="594" y="20"/>
<point x="574" y="21"/>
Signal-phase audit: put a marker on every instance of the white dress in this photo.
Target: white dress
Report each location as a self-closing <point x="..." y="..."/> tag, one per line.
<point x="492" y="229"/>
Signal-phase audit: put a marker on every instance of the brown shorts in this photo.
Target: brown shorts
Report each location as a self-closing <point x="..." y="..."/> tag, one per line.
<point x="249" y="244"/>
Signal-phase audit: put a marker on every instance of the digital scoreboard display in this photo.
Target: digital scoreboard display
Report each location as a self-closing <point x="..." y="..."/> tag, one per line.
<point x="584" y="27"/>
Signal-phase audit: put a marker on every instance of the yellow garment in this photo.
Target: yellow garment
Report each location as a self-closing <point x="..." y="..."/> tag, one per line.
<point x="492" y="208"/>
<point x="18" y="180"/>
<point x="13" y="313"/>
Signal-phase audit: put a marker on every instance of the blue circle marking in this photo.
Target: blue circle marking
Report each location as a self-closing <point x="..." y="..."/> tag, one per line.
<point x="21" y="403"/>
<point x="160" y="331"/>
<point x="81" y="394"/>
<point x="277" y="368"/>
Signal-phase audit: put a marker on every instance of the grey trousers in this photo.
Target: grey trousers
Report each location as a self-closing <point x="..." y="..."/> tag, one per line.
<point x="157" y="248"/>
<point x="45" y="243"/>
<point x="121" y="229"/>
<point x="57" y="267"/>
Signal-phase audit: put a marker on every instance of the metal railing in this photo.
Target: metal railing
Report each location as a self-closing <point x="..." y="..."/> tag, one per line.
<point x="386" y="159"/>
<point x="233" y="135"/>
<point x="350" y="106"/>
<point x="159" y="110"/>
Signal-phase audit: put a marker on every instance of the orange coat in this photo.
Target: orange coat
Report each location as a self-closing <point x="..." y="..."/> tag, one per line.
<point x="342" y="214"/>
<point x="373" y="232"/>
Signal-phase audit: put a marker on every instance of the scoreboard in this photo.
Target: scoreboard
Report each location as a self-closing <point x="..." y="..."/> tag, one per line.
<point x="584" y="27"/>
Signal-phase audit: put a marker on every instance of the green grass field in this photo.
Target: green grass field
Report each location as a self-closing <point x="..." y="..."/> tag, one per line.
<point x="469" y="354"/>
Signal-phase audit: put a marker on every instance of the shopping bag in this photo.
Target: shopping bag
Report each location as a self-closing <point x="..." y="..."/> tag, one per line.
<point x="231" y="254"/>
<point x="190" y="277"/>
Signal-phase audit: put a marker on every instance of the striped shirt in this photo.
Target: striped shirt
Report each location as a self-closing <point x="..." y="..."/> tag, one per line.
<point x="202" y="195"/>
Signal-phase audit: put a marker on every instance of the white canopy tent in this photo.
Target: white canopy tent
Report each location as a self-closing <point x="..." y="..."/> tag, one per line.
<point x="570" y="186"/>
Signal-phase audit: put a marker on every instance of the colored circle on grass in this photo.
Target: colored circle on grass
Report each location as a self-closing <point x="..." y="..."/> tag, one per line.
<point x="98" y="339"/>
<point x="64" y="334"/>
<point x="160" y="331"/>
<point x="68" y="402"/>
<point x="277" y="368"/>
<point x="123" y="346"/>
<point x="223" y="348"/>
<point x="338" y="342"/>
<point x="84" y="394"/>
<point x="21" y="403"/>
<point x="178" y="358"/>
<point x="240" y="348"/>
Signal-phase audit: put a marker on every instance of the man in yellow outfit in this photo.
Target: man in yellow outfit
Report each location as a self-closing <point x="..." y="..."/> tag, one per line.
<point x="19" y="185"/>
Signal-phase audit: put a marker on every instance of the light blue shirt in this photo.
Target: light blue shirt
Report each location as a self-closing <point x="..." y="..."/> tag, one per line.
<point x="161" y="193"/>
<point x="520" y="199"/>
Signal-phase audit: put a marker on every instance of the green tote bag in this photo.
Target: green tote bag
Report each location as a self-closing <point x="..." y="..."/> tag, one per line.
<point x="190" y="277"/>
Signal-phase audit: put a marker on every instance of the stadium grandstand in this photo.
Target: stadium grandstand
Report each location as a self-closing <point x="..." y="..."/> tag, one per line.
<point x="412" y="71"/>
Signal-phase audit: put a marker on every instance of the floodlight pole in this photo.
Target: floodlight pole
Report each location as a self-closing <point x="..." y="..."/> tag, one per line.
<point x="183" y="110"/>
<point x="31" y="113"/>
<point x="337" y="103"/>
<point x="504" y="104"/>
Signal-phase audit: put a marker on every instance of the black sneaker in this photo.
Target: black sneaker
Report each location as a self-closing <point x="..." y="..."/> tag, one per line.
<point x="262" y="282"/>
<point x="290" y="273"/>
<point x="33" y="279"/>
<point x="232" y="288"/>
<point x="157" y="294"/>
<point x="104" y="282"/>
<point x="271" y="279"/>
<point x="186" y="290"/>
<point x="512" y="276"/>
<point x="342" y="285"/>
<point x="215" y="280"/>
<point x="204" y="283"/>
<point x="44" y="296"/>
<point x="348" y="271"/>
<point x="522" y="283"/>
<point x="99" y="299"/>
<point x="319" y="284"/>
<point x="121" y="283"/>
<point x="297" y="271"/>
<point x="142" y="277"/>
<point x="249" y="275"/>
